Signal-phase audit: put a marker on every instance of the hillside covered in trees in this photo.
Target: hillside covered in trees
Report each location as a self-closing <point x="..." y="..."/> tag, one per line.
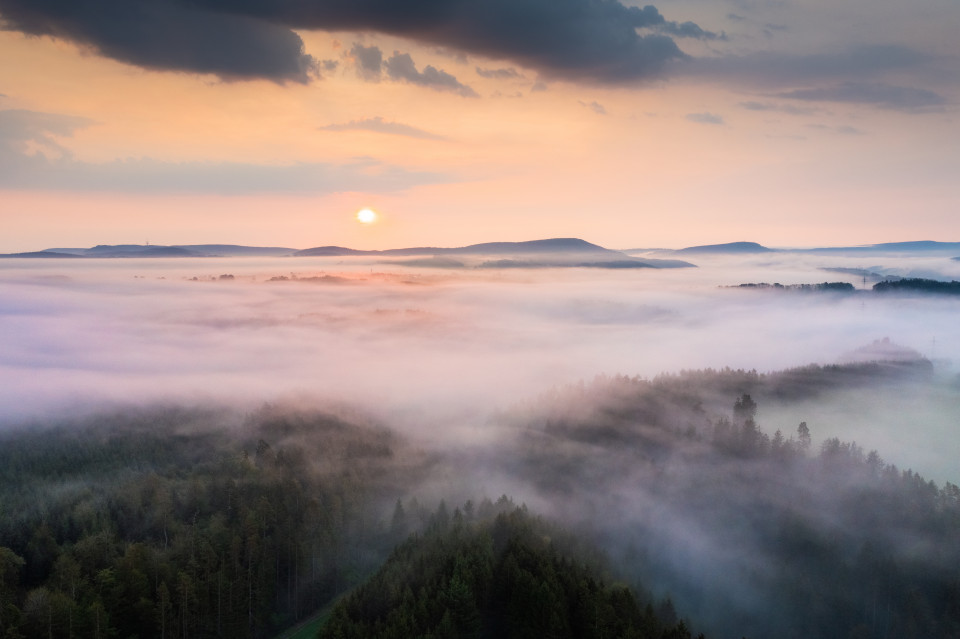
<point x="918" y="285"/>
<point x="496" y="571"/>
<point x="177" y="523"/>
<point x="753" y="533"/>
<point x="888" y="285"/>
<point x="200" y="522"/>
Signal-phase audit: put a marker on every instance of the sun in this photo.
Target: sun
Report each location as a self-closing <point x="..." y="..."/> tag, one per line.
<point x="366" y="216"/>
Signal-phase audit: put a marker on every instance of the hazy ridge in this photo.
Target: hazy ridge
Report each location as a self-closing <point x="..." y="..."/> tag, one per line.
<point x="556" y="246"/>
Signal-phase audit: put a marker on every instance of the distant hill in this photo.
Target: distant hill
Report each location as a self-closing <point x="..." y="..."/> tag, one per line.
<point x="233" y="250"/>
<point x="552" y="253"/>
<point x="555" y="245"/>
<point x="882" y="350"/>
<point x="152" y="250"/>
<point x="927" y="247"/>
<point x="71" y="251"/>
<point x="332" y="251"/>
<point x="924" y="247"/>
<point x="43" y="254"/>
<point x="535" y="247"/>
<point x="561" y="251"/>
<point x="138" y="251"/>
<point x="738" y="248"/>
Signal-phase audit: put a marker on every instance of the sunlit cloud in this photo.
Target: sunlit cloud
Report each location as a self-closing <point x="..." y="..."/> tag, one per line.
<point x="705" y="118"/>
<point x="54" y="167"/>
<point x="379" y="125"/>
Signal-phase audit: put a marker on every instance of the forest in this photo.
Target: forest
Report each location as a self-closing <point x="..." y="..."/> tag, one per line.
<point x="918" y="285"/>
<point x="167" y="523"/>
<point x="753" y="533"/>
<point x="637" y="508"/>
<point x="497" y="571"/>
<point x="889" y="284"/>
<point x="822" y="287"/>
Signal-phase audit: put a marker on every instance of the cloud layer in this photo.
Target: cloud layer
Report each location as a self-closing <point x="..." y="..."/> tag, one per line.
<point x="400" y="67"/>
<point x="861" y="63"/>
<point x="705" y="118"/>
<point x="163" y="35"/>
<point x="885" y="96"/>
<point x="595" y="40"/>
<point x="448" y="345"/>
<point x="49" y="165"/>
<point x="379" y="125"/>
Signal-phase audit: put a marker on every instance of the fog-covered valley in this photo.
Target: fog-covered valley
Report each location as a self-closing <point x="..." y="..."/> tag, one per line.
<point x="654" y="412"/>
<point x="438" y="348"/>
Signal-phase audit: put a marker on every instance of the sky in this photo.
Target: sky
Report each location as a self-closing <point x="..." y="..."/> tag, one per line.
<point x="271" y="123"/>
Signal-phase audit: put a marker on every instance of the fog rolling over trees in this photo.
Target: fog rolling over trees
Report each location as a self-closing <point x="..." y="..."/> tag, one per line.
<point x="191" y="522"/>
<point x="779" y="533"/>
<point x="188" y="454"/>
<point x="206" y="522"/>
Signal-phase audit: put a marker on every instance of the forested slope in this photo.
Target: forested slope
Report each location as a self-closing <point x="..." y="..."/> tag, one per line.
<point x="199" y="522"/>
<point x="754" y="533"/>
<point x="171" y="522"/>
<point x="496" y="572"/>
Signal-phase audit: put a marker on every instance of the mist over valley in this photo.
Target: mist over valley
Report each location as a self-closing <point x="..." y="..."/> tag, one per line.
<point x="754" y="460"/>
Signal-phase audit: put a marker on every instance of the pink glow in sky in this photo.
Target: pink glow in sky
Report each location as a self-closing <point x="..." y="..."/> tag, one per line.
<point x="785" y="123"/>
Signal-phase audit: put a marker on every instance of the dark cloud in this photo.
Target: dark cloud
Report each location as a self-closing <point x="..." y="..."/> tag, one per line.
<point x="368" y="61"/>
<point x="20" y="128"/>
<point x="768" y="28"/>
<point x="594" y="106"/>
<point x="370" y="65"/>
<point x="538" y="86"/>
<point x="705" y="118"/>
<point x="752" y="105"/>
<point x="330" y="65"/>
<point x="500" y="74"/>
<point x="400" y="67"/>
<point x="848" y="130"/>
<point x="690" y="30"/>
<point x="54" y="168"/>
<point x="590" y="40"/>
<point x="780" y="108"/>
<point x="884" y="96"/>
<point x="378" y="125"/>
<point x="168" y="35"/>
<point x="453" y="54"/>
<point x="843" y="130"/>
<point x="771" y="69"/>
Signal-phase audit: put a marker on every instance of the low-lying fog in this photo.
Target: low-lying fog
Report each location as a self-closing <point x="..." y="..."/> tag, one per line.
<point x="437" y="351"/>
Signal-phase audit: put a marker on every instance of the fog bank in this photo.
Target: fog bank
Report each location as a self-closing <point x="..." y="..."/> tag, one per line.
<point x="434" y="350"/>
